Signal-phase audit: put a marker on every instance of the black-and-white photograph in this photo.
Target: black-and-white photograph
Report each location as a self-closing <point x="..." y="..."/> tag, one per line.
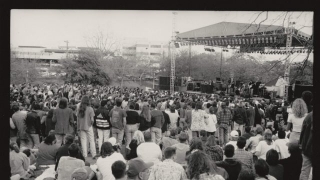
<point x="161" y="95"/>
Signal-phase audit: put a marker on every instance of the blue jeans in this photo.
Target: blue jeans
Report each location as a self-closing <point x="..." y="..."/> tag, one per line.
<point x="130" y="129"/>
<point x="118" y="134"/>
<point x="156" y="135"/>
<point x="223" y="134"/>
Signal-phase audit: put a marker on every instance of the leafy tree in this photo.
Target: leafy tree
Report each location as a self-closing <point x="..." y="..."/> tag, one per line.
<point x="22" y="70"/>
<point x="85" y="68"/>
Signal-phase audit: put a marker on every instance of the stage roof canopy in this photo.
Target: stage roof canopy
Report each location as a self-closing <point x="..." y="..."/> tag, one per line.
<point x="230" y="33"/>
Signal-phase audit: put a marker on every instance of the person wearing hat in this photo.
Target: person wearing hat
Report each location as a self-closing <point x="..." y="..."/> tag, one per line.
<point x="138" y="169"/>
<point x="182" y="148"/>
<point x="83" y="173"/>
<point x="234" y="137"/>
<point x="168" y="169"/>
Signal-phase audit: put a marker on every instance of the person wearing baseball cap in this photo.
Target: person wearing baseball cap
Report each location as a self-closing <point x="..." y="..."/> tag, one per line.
<point x="234" y="137"/>
<point x="138" y="169"/>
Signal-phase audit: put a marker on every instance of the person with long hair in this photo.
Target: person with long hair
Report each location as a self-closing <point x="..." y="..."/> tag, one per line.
<point x="84" y="125"/>
<point x="265" y="145"/>
<point x="262" y="170"/>
<point x="224" y="119"/>
<point x="63" y="119"/>
<point x="145" y="118"/>
<point x="295" y="119"/>
<point x="200" y="167"/>
<point x="211" y="122"/>
<point x="198" y="122"/>
<point x="213" y="150"/>
<point x="137" y="139"/>
<point x="108" y="157"/>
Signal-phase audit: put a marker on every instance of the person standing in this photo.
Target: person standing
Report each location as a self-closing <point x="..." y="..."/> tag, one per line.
<point x="84" y="125"/>
<point x="239" y="117"/>
<point x="132" y="121"/>
<point x="145" y="119"/>
<point x="118" y="121"/>
<point x="102" y="123"/>
<point x="211" y="122"/>
<point x="224" y="119"/>
<point x="174" y="116"/>
<point x="157" y="121"/>
<point x="198" y="122"/>
<point x="295" y="120"/>
<point x="18" y="119"/>
<point x="306" y="146"/>
<point x="250" y="114"/>
<point x="63" y="119"/>
<point x="33" y="124"/>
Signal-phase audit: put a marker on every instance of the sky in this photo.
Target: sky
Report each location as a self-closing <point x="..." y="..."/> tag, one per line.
<point x="50" y="28"/>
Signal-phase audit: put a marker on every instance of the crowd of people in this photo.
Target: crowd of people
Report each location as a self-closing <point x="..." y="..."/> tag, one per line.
<point x="136" y="134"/>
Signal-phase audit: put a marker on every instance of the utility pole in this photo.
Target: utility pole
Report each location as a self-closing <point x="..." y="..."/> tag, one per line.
<point x="221" y="63"/>
<point x="189" y="59"/>
<point x="287" y="63"/>
<point x="173" y="64"/>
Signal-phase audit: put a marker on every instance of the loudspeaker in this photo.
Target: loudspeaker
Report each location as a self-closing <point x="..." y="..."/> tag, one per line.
<point x="164" y="81"/>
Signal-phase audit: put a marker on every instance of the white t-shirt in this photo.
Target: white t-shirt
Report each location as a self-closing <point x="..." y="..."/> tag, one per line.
<point x="255" y="141"/>
<point x="296" y="122"/>
<point x="104" y="165"/>
<point x="211" y="122"/>
<point x="149" y="152"/>
<point x="263" y="148"/>
<point x="282" y="148"/>
<point x="173" y="118"/>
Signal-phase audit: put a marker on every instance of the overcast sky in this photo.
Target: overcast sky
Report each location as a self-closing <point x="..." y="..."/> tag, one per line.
<point x="50" y="28"/>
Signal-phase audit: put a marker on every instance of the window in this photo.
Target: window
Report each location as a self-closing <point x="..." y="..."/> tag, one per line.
<point x="155" y="46"/>
<point x="129" y="48"/>
<point x="143" y="45"/>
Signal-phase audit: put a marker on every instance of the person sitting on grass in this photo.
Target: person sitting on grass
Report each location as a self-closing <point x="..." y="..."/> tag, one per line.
<point x="67" y="164"/>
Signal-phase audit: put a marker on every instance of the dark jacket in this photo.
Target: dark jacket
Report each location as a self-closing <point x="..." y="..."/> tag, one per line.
<point x="306" y="135"/>
<point x="166" y="122"/>
<point x="64" y="120"/>
<point x="232" y="166"/>
<point x="250" y="115"/>
<point x="240" y="115"/>
<point x="33" y="123"/>
<point x="50" y="125"/>
<point x="133" y="150"/>
<point x="63" y="151"/>
<point x="102" y="119"/>
<point x="144" y="124"/>
<point x="157" y="118"/>
<point x="292" y="166"/>
<point x="189" y="117"/>
<point x="257" y="116"/>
